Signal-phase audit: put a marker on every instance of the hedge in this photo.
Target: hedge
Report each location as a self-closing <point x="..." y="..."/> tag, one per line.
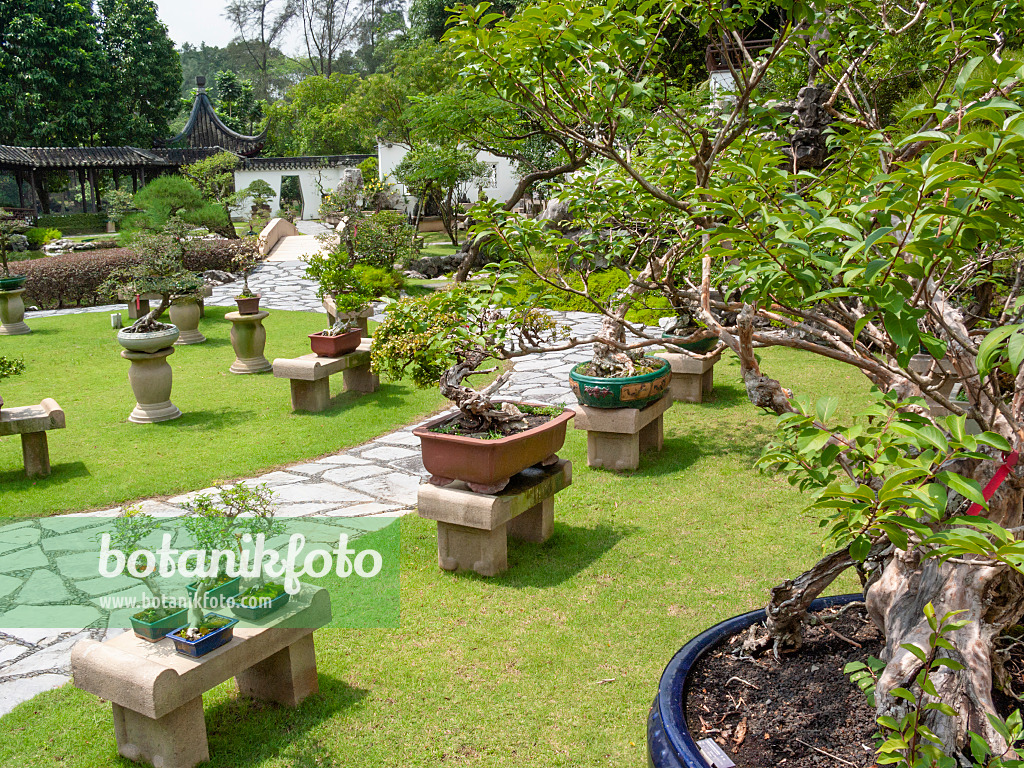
<point x="72" y="279"/>
<point x="74" y="223"/>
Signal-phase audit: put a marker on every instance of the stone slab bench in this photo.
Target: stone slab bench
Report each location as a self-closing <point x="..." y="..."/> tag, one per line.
<point x="617" y="436"/>
<point x="32" y="423"/>
<point x="473" y="528"/>
<point x="157" y="694"/>
<point x="692" y="378"/>
<point x="310" y="376"/>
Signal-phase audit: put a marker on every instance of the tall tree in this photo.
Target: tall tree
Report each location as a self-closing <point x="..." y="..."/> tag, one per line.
<point x="145" y="71"/>
<point x="380" y="24"/>
<point x="259" y="24"/>
<point x="45" y="47"/>
<point x="326" y="26"/>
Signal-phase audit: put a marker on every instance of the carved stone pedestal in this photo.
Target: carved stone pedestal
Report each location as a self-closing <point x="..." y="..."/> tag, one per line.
<point x="186" y="315"/>
<point x="151" y="379"/>
<point x="248" y="339"/>
<point x="617" y="436"/>
<point x="473" y="528"/>
<point x="692" y="379"/>
<point x="12" y="313"/>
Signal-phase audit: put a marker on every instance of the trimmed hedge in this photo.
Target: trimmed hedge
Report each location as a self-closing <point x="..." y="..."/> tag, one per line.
<point x="74" y="223"/>
<point x="70" y="280"/>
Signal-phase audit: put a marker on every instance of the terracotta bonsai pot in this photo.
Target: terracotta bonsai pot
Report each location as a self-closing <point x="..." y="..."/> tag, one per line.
<point x="152" y="341"/>
<point x="488" y="463"/>
<point x="248" y="305"/>
<point x="335" y="346"/>
<point x="621" y="392"/>
<point x="669" y="743"/>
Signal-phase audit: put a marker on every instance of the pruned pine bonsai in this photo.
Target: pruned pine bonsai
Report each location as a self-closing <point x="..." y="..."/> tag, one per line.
<point x="445" y="337"/>
<point x="851" y="225"/>
<point x="221" y="523"/>
<point x="129" y="529"/>
<point x="158" y="270"/>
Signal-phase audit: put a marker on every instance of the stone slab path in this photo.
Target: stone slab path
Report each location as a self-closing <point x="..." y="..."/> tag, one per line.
<point x="378" y="478"/>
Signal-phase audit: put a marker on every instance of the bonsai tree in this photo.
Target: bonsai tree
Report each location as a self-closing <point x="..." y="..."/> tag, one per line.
<point x="260" y="193"/>
<point x="158" y="270"/>
<point x="446" y="336"/>
<point x="118" y="204"/>
<point x="9" y="225"/>
<point x="129" y="529"/>
<point x="832" y="229"/>
<point x="222" y="524"/>
<point x="244" y="261"/>
<point x="214" y="177"/>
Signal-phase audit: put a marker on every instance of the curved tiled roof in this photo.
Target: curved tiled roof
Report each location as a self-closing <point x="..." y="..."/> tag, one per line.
<point x="205" y="129"/>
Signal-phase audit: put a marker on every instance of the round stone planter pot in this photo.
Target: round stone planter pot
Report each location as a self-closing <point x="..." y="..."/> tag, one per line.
<point x="623" y="392"/>
<point x="487" y="465"/>
<point x="152" y="341"/>
<point x="185" y="315"/>
<point x="669" y="742"/>
<point x="12" y="313"/>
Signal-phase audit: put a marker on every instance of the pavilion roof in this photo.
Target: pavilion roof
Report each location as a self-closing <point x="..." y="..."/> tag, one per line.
<point x="205" y="129"/>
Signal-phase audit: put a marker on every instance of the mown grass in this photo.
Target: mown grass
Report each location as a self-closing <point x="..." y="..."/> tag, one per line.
<point x="233" y="426"/>
<point x="556" y="661"/>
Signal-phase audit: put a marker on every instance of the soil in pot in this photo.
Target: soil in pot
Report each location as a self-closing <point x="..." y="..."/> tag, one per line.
<point x="760" y="710"/>
<point x="535" y="416"/>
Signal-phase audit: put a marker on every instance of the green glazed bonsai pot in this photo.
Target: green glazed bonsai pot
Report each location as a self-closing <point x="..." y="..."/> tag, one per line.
<point x="625" y="392"/>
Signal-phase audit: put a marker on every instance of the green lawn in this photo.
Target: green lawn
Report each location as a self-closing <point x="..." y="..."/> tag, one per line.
<point x="553" y="663"/>
<point x="233" y="426"/>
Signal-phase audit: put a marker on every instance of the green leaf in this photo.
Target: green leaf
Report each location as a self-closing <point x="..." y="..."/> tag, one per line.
<point x="860" y="548"/>
<point x="990" y="348"/>
<point x="969" y="489"/>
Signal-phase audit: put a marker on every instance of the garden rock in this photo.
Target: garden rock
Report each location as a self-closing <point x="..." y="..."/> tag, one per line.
<point x="557" y="215"/>
<point x="435" y="266"/>
<point x="218" y="277"/>
<point x="414" y="275"/>
<point x="18" y="243"/>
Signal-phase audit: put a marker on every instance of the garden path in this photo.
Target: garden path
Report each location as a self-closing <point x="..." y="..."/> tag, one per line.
<point x="377" y="478"/>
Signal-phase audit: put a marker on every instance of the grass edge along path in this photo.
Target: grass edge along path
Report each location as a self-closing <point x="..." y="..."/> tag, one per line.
<point x="556" y="661"/>
<point x="233" y="426"/>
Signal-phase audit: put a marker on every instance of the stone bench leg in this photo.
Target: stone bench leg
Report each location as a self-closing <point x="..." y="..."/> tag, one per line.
<point x="312" y="396"/>
<point x="472" y="549"/>
<point x="652" y="437"/>
<point x="535" y="524"/>
<point x="35" y="453"/>
<point x="176" y="740"/>
<point x="287" y="677"/>
<point x="361" y="379"/>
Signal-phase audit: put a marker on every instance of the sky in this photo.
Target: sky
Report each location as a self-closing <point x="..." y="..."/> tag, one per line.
<point x="202" y="21"/>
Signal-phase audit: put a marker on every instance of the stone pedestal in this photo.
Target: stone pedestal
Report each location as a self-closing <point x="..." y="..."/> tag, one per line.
<point x="473" y="528"/>
<point x="12" y="313"/>
<point x="617" y="436"/>
<point x="692" y="379"/>
<point x="249" y="339"/>
<point x="310" y="376"/>
<point x="151" y="379"/>
<point x="186" y="317"/>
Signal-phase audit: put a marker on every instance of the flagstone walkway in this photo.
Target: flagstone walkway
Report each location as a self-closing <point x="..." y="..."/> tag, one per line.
<point x="377" y="478"/>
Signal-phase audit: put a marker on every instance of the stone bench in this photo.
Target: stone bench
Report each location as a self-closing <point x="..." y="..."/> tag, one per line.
<point x="32" y="422"/>
<point x="473" y="528"/>
<point x="310" y="376"/>
<point x="617" y="436"/>
<point x="157" y="694"/>
<point x="692" y="378"/>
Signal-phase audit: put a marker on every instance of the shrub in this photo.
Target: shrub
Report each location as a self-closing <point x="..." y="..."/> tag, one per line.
<point x="379" y="282"/>
<point x="73" y="279"/>
<point x="383" y="238"/>
<point x="74" y="223"/>
<point x="40" y="236"/>
<point x="369" y="168"/>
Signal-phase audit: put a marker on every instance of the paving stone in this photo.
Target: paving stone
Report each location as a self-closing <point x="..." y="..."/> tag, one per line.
<point x="302" y="509"/>
<point x="343" y="458"/>
<point x="81" y="566"/>
<point x="9" y="652"/>
<point x="104" y="586"/>
<point x="16" y="538"/>
<point x="395" y="486"/>
<point x="348" y="474"/>
<point x="314" y="468"/>
<point x="62" y="524"/>
<point x="43" y="586"/>
<point x="318" y="492"/>
<point x="35" y="636"/>
<point x="366" y="510"/>
<point x="80" y="541"/>
<point x="56" y="656"/>
<point x="32" y="557"/>
<point x="14" y="692"/>
<point x="274" y="479"/>
<point x="77" y="616"/>
<point x="400" y="438"/>
<point x="389" y="453"/>
<point x="8" y="584"/>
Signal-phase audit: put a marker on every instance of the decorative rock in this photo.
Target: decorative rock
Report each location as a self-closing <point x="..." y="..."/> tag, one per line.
<point x="617" y="436"/>
<point x="12" y="313"/>
<point x="473" y="528"/>
<point x="151" y="379"/>
<point x="218" y="277"/>
<point x="248" y="339"/>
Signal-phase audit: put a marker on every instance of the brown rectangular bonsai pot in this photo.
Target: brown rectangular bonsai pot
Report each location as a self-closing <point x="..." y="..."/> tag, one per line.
<point x="335" y="346"/>
<point x="489" y="462"/>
